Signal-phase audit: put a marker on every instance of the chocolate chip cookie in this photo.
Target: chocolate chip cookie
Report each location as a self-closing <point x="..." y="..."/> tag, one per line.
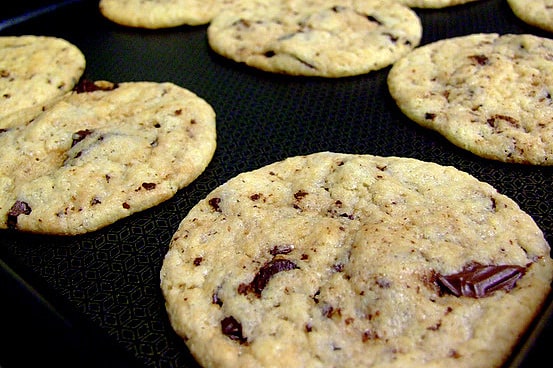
<point x="342" y="260"/>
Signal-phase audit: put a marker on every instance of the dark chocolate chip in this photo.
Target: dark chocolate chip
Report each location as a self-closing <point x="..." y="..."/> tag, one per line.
<point x="478" y="281"/>
<point x="86" y="85"/>
<point x="80" y="135"/>
<point x="233" y="329"/>
<point x="267" y="271"/>
<point x="281" y="249"/>
<point x="149" y="186"/>
<point x="18" y="208"/>
<point x="214" y="203"/>
<point x="480" y="59"/>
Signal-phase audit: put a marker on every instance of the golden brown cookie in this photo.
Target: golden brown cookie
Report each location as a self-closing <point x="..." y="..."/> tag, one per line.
<point x="486" y="93"/>
<point x="34" y="71"/>
<point x="340" y="260"/>
<point x="317" y="37"/>
<point x="101" y="154"/>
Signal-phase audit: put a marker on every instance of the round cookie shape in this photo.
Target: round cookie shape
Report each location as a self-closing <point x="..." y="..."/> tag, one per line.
<point x="346" y="260"/>
<point x="156" y="14"/>
<point x="317" y="37"/>
<point x="433" y="4"/>
<point x="34" y="71"/>
<point x="489" y="94"/>
<point x="101" y="154"/>
<point x="538" y="13"/>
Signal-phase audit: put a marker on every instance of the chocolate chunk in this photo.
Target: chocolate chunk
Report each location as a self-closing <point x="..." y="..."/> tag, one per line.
<point x="281" y="249"/>
<point x="269" y="54"/>
<point x="374" y="20"/>
<point x="491" y="120"/>
<point x="149" y="186"/>
<point x="214" y="203"/>
<point x="267" y="271"/>
<point x="300" y="194"/>
<point x="86" y="85"/>
<point x="216" y="300"/>
<point x="233" y="329"/>
<point x="18" y="208"/>
<point x="392" y="37"/>
<point x="478" y="281"/>
<point x="79" y="136"/>
<point x="480" y="59"/>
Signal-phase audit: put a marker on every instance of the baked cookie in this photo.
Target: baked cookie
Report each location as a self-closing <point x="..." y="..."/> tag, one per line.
<point x="34" y="71"/>
<point x="342" y="260"/>
<point x="538" y="13"/>
<point x="155" y="14"/>
<point x="102" y="153"/>
<point x="317" y="37"/>
<point x="433" y="4"/>
<point x="486" y="93"/>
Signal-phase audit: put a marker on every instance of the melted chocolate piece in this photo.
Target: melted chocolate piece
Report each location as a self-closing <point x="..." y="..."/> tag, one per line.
<point x="479" y="281"/>
<point x="233" y="329"/>
<point x="268" y="270"/>
<point x="18" y="208"/>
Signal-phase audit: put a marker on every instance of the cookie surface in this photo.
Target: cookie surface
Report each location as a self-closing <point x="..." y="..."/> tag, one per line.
<point x="156" y="14"/>
<point x="100" y="155"/>
<point x="343" y="260"/>
<point x="434" y="4"/>
<point x="317" y="37"/>
<point x="538" y="13"/>
<point x="486" y="93"/>
<point x="34" y="71"/>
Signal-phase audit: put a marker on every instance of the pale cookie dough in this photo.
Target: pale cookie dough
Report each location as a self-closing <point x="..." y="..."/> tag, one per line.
<point x="317" y="37"/>
<point x="538" y="13"/>
<point x="486" y="93"/>
<point x="100" y="155"/>
<point x="433" y="4"/>
<point x="155" y="14"/>
<point x="34" y="71"/>
<point x="340" y="260"/>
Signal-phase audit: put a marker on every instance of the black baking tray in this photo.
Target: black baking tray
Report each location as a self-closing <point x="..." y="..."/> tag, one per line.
<point x="94" y="300"/>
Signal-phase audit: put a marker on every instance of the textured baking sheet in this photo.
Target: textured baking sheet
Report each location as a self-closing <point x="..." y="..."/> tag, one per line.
<point x="108" y="281"/>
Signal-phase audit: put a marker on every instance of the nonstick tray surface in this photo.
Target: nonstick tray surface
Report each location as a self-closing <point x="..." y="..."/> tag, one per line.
<point x="95" y="299"/>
